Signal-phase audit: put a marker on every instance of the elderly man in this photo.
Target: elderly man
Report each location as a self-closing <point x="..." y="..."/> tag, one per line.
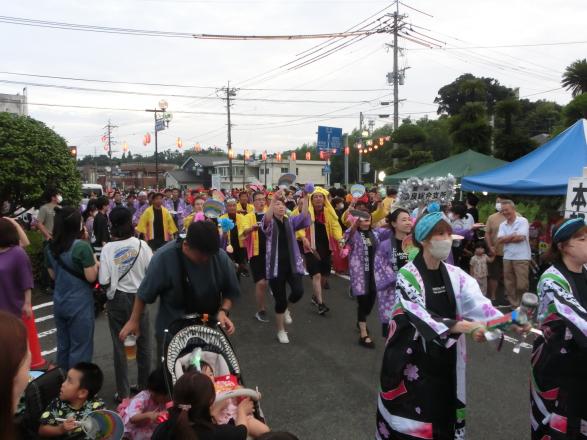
<point x="513" y="234"/>
<point x="495" y="249"/>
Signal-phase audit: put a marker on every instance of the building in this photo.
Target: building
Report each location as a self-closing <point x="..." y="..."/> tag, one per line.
<point x="195" y="172"/>
<point x="16" y="104"/>
<point x="126" y="176"/>
<point x="267" y="172"/>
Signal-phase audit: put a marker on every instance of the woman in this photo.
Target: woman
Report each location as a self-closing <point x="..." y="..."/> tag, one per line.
<point x="123" y="265"/>
<point x="436" y="304"/>
<point x="190" y="416"/>
<point x="284" y="263"/>
<point x="362" y="241"/>
<point x="73" y="266"/>
<point x="390" y="257"/>
<point x="16" y="273"/>
<point x="559" y="358"/>
<point x="88" y="217"/>
<point x="14" y="370"/>
<point x="198" y="206"/>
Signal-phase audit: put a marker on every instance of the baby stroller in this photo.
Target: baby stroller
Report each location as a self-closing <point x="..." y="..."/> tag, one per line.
<point x="199" y="338"/>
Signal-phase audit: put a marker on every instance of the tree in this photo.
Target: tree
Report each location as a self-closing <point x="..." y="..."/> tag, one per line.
<point x="576" y="109"/>
<point x="468" y="88"/>
<point x="32" y="158"/>
<point x="575" y="77"/>
<point x="470" y="129"/>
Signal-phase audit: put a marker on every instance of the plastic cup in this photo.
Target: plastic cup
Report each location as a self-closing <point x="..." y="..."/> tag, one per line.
<point x="130" y="347"/>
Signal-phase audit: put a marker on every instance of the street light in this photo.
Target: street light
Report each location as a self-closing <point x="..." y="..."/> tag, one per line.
<point x="381" y="176"/>
<point x="161" y="123"/>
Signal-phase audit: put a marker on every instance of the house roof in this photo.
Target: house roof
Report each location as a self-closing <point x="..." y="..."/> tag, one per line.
<point x="184" y="177"/>
<point x="203" y="160"/>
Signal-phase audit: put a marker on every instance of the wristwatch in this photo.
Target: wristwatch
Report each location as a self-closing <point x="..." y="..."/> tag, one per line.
<point x="226" y="311"/>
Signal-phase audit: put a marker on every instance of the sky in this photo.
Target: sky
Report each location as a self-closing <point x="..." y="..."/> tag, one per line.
<point x="203" y="66"/>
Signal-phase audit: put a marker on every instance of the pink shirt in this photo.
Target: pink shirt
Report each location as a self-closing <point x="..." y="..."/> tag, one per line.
<point x="139" y="404"/>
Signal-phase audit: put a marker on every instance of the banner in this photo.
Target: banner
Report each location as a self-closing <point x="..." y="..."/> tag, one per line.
<point x="415" y="191"/>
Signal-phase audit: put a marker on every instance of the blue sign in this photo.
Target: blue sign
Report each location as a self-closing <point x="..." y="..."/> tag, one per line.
<point x="329" y="139"/>
<point x="326" y="170"/>
<point x="159" y="124"/>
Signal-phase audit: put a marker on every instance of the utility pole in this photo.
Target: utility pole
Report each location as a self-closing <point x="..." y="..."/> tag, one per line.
<point x="395" y="69"/>
<point x="111" y="142"/>
<point x="228" y="92"/>
<point x="360" y="176"/>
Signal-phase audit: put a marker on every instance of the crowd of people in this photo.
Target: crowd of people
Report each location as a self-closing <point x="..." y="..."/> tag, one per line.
<point x="433" y="271"/>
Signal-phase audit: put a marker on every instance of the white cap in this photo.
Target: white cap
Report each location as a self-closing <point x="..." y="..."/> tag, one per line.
<point x="142" y="193"/>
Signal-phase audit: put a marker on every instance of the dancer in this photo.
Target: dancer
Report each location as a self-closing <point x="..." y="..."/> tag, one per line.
<point x="422" y="377"/>
<point x="559" y="358"/>
<point x="284" y="264"/>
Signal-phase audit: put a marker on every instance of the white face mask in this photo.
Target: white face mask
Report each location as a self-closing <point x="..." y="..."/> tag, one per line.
<point x="440" y="249"/>
<point x="59" y="198"/>
<point x="498" y="206"/>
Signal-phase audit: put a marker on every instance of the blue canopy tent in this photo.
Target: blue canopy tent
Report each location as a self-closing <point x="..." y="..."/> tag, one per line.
<point x="544" y="171"/>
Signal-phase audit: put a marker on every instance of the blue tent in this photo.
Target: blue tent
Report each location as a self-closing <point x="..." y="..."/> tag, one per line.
<point x="544" y="171"/>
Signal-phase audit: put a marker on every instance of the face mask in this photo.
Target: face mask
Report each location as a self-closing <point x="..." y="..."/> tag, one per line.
<point x="59" y="198"/>
<point x="451" y="216"/>
<point x="498" y="206"/>
<point x="440" y="249"/>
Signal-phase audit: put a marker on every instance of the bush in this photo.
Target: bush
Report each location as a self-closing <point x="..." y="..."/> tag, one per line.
<point x="35" y="252"/>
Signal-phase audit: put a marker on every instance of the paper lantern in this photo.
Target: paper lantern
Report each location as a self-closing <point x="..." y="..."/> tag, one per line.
<point x="197" y="147"/>
<point x="278" y="156"/>
<point x="308" y="155"/>
<point x="125" y="147"/>
<point x="247" y="154"/>
<point x="293" y="156"/>
<point x="179" y="143"/>
<point x="264" y="155"/>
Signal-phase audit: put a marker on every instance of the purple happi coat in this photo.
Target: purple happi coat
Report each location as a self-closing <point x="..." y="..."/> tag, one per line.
<point x="183" y="210"/>
<point x="140" y="209"/>
<point x="292" y="224"/>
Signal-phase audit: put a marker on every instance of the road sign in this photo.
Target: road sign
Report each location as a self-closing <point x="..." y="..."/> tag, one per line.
<point x="576" y="202"/>
<point x="329" y="139"/>
<point x="159" y="124"/>
<point x="326" y="170"/>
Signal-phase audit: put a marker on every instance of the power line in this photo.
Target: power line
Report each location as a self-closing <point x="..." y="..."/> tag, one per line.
<point x="502" y="46"/>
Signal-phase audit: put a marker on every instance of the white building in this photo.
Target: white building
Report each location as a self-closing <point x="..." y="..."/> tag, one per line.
<point x="267" y="172"/>
<point x="16" y="104"/>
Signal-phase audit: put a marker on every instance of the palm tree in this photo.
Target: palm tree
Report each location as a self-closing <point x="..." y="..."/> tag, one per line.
<point x="575" y="77"/>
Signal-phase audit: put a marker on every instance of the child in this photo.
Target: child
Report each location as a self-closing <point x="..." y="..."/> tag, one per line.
<point x="141" y="414"/>
<point x="478" y="268"/>
<point x="227" y="411"/>
<point x="77" y="398"/>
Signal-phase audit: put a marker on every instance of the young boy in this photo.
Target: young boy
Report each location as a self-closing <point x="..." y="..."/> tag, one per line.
<point x="77" y="398"/>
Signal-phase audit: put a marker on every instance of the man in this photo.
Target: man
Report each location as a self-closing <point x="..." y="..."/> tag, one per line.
<point x="131" y="203"/>
<point x="472" y="200"/>
<point x="495" y="268"/>
<point x="255" y="244"/>
<point x="235" y="236"/>
<point x="513" y="234"/>
<point x="177" y="207"/>
<point x="141" y="206"/>
<point x="319" y="240"/>
<point x="46" y="216"/>
<point x="198" y="206"/>
<point x="101" y="230"/>
<point x="116" y="202"/>
<point x="187" y="276"/>
<point x="244" y="207"/>
<point x="156" y="224"/>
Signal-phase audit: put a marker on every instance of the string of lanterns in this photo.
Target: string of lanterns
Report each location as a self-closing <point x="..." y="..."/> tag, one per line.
<point x="372" y="145"/>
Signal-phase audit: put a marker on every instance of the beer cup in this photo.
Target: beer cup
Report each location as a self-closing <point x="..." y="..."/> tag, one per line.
<point x="130" y="347"/>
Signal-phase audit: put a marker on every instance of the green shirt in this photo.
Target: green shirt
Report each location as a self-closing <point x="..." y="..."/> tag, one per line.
<point x="82" y="256"/>
<point x="210" y="284"/>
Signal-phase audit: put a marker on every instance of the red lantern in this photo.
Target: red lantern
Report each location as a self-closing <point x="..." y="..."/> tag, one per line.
<point x="293" y="156"/>
<point x="370" y="149"/>
<point x="376" y="147"/>
<point x="308" y="155"/>
<point x="346" y="151"/>
<point x="278" y="157"/>
<point x="247" y="155"/>
<point x="264" y="155"/>
<point x="105" y="147"/>
<point x="179" y="143"/>
<point x="197" y="147"/>
<point x="147" y="138"/>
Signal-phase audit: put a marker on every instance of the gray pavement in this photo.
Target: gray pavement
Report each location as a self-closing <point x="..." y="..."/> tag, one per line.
<point x="323" y="385"/>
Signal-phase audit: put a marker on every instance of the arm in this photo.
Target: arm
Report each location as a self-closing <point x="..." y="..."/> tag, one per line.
<point x="133" y="324"/>
<point x="40" y="224"/>
<point x="22" y="237"/>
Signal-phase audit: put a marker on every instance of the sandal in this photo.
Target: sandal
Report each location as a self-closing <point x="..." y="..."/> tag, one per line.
<point x="367" y="342"/>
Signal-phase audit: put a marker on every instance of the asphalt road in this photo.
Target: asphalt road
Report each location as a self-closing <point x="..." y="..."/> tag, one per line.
<point x="323" y="385"/>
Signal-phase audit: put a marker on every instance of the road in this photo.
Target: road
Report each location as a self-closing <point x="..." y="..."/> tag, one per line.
<point x="323" y="385"/>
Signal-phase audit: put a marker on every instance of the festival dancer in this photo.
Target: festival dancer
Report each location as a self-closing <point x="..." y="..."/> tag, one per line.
<point x="423" y="373"/>
<point x="198" y="206"/>
<point x="559" y="358"/>
<point x="284" y="264"/>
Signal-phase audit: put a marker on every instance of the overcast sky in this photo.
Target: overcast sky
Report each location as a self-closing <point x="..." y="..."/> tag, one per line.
<point x="364" y="65"/>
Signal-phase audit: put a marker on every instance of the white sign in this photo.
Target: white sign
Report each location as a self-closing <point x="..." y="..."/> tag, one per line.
<point x="576" y="202"/>
<point x="216" y="181"/>
<point x="415" y="191"/>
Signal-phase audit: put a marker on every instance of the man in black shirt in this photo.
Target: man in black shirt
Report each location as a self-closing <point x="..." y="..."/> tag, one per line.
<point x="101" y="230"/>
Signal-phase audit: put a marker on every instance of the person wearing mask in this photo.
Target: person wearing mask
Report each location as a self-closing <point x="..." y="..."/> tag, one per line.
<point x="244" y="207"/>
<point x="73" y="266"/>
<point x="284" y="264"/>
<point x="495" y="249"/>
<point x="192" y="275"/>
<point x="319" y="240"/>
<point x="14" y="370"/>
<point x="514" y="235"/>
<point x="142" y="205"/>
<point x="123" y="265"/>
<point x="255" y="244"/>
<point x="156" y="224"/>
<point x="45" y="221"/>
<point x="559" y="358"/>
<point x="437" y="305"/>
<point x="88" y="217"/>
<point x="101" y="230"/>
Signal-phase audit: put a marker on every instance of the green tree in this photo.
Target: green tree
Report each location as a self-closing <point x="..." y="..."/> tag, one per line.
<point x="438" y="139"/>
<point x="468" y="88"/>
<point x="470" y="130"/>
<point x="32" y="158"/>
<point x="576" y="109"/>
<point x="575" y="77"/>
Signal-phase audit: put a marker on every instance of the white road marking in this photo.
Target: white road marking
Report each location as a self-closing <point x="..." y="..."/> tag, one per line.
<point x="44" y="318"/>
<point x="40" y="306"/>
<point x="45" y="353"/>
<point x="47" y="333"/>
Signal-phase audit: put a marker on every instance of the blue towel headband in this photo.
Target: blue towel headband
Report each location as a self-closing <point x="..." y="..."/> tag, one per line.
<point x="567" y="229"/>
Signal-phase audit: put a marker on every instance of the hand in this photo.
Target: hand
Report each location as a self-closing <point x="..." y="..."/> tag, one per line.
<point x="477" y="331"/>
<point x="152" y="415"/>
<point x="491" y="251"/>
<point x="521" y="330"/>
<point x="278" y="194"/>
<point x="226" y="323"/>
<point x="132" y="327"/>
<point x="217" y="408"/>
<point x="69" y="425"/>
<point x="246" y="407"/>
<point x="478" y="226"/>
<point x="27" y="310"/>
<point x="306" y="244"/>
